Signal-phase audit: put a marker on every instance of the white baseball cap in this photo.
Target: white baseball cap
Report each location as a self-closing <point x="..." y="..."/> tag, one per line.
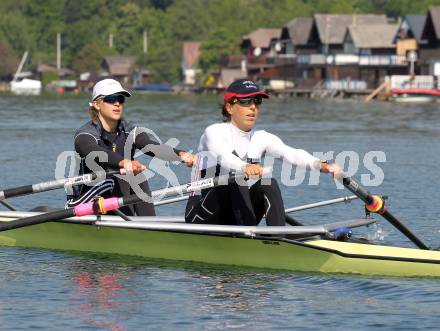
<point x="108" y="87"/>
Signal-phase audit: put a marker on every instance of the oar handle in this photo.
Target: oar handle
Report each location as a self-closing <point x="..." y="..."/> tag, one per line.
<point x="101" y="205"/>
<point x="109" y="204"/>
<point x="16" y="191"/>
<point x="55" y="184"/>
<point x="186" y="188"/>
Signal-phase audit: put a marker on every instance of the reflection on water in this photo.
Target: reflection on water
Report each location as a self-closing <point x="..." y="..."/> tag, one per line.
<point x="110" y="292"/>
<point x="93" y="294"/>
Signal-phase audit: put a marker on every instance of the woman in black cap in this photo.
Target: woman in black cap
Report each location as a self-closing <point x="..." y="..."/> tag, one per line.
<point x="110" y="142"/>
<point x="234" y="146"/>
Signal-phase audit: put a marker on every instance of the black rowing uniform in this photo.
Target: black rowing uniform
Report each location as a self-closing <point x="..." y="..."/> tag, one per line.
<point x="92" y="137"/>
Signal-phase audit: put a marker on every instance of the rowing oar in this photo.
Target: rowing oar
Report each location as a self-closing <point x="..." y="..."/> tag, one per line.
<point x="102" y="206"/>
<point x="321" y="204"/>
<point x="375" y="204"/>
<point x="294" y="222"/>
<point x="55" y="184"/>
<point x="7" y="205"/>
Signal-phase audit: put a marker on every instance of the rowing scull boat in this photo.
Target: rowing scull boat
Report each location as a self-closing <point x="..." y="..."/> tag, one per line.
<point x="297" y="248"/>
<point x="260" y="247"/>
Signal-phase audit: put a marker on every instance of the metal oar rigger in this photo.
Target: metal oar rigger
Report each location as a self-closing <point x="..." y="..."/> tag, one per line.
<point x="55" y="184"/>
<point x="102" y="206"/>
<point x="375" y="204"/>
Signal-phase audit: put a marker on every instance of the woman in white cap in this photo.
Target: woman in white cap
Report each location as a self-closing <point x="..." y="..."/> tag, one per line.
<point x="106" y="135"/>
<point x="235" y="146"/>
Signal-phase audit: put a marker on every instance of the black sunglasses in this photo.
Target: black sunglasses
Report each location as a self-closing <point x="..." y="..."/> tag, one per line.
<point x="112" y="98"/>
<point x="249" y="101"/>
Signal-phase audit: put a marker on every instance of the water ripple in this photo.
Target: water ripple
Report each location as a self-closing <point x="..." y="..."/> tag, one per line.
<point x="59" y="290"/>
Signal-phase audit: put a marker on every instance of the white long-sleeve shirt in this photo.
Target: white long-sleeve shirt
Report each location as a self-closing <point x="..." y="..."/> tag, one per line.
<point x="220" y="140"/>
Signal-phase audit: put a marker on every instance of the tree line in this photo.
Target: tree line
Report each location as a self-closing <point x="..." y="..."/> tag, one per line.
<point x="85" y="26"/>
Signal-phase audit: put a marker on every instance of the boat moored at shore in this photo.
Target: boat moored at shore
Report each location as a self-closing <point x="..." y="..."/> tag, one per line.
<point x="415" y="95"/>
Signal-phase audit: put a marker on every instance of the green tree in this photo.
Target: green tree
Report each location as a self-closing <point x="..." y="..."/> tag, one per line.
<point x="157" y="4"/>
<point x="9" y="62"/>
<point x="128" y="36"/>
<point x="90" y="57"/>
<point x="8" y="6"/>
<point x="220" y="43"/>
<point x="87" y="22"/>
<point x="163" y="63"/>
<point x="190" y="20"/>
<point x="342" y="7"/>
<point x="152" y="21"/>
<point x="46" y="20"/>
<point x="14" y="29"/>
<point x="397" y="8"/>
<point x="85" y="26"/>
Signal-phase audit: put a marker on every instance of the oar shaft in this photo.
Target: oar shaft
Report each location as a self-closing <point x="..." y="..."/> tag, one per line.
<point x="358" y="190"/>
<point x="194" y="186"/>
<point x="114" y="203"/>
<point x="287" y="211"/>
<point x="37" y="219"/>
<point x="105" y="205"/>
<point x="321" y="204"/>
<point x="366" y="196"/>
<point x="183" y="189"/>
<point x="7" y="205"/>
<point x="172" y="200"/>
<point x="53" y="184"/>
<point x="402" y="228"/>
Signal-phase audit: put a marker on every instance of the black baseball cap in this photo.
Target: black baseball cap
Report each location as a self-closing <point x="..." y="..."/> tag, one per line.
<point x="243" y="88"/>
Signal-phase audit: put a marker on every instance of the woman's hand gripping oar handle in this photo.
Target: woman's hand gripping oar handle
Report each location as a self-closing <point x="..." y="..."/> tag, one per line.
<point x="102" y="206"/>
<point x="375" y="204"/>
<point x="55" y="184"/>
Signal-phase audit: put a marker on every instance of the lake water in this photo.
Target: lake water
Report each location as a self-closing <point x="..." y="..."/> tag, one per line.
<point x="54" y="290"/>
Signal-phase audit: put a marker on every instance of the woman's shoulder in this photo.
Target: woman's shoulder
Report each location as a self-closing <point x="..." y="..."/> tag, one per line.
<point x="89" y="127"/>
<point x="216" y="128"/>
<point x="262" y="134"/>
<point x="264" y="137"/>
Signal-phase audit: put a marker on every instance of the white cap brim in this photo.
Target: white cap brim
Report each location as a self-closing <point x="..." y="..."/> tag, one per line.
<point x="108" y="87"/>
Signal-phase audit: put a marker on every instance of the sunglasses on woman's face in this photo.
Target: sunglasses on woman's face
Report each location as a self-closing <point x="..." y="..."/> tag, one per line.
<point x="249" y="101"/>
<point x="112" y="98"/>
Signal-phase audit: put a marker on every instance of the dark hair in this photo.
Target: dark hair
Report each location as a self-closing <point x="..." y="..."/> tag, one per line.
<point x="225" y="114"/>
